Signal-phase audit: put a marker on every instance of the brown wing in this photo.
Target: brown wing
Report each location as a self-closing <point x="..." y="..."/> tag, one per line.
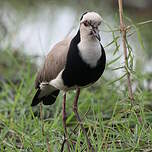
<point x="54" y="62"/>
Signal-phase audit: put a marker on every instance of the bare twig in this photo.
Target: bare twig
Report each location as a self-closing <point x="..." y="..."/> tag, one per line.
<point x="41" y="117"/>
<point x="123" y="31"/>
<point x="139" y="24"/>
<point x="48" y="144"/>
<point x="127" y="27"/>
<point x="64" y="121"/>
<point x="43" y="132"/>
<point x="62" y="147"/>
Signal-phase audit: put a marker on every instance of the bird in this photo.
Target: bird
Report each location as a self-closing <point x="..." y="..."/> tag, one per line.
<point x="72" y="64"/>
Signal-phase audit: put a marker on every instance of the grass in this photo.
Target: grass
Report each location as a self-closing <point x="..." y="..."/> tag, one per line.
<point x="112" y="123"/>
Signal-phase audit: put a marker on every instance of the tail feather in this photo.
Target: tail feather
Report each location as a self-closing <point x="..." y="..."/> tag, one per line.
<point x="47" y="100"/>
<point x="50" y="99"/>
<point x="36" y="100"/>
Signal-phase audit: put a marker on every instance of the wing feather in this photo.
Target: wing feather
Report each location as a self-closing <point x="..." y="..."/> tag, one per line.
<point x="54" y="62"/>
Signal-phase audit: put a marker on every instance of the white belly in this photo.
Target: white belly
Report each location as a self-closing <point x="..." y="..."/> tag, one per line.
<point x="58" y="84"/>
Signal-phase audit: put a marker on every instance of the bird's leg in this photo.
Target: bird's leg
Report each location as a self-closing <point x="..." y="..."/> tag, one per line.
<point x="64" y="120"/>
<point x="75" y="109"/>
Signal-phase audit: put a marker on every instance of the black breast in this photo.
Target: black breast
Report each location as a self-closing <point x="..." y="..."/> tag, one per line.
<point x="76" y="71"/>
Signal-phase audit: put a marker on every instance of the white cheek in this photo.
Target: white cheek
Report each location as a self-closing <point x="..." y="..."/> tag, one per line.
<point x="89" y="28"/>
<point x="85" y="31"/>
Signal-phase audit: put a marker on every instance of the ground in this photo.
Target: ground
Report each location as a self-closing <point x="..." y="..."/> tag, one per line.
<point x="113" y="124"/>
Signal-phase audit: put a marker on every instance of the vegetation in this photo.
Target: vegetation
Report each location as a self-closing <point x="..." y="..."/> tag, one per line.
<point x="112" y="121"/>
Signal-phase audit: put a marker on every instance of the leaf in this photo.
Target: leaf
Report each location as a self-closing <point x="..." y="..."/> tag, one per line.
<point x="117" y="79"/>
<point x="116" y="49"/>
<point x="115" y="38"/>
<point x="138" y="32"/>
<point x="121" y="67"/>
<point x="114" y="60"/>
<point x="113" y="41"/>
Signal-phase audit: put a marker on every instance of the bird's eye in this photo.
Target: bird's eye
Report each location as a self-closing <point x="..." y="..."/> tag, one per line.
<point x="86" y="23"/>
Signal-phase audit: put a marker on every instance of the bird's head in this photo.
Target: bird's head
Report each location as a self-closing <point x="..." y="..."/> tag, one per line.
<point x="89" y="25"/>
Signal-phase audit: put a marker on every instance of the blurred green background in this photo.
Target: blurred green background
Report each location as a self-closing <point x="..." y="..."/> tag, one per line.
<point x="28" y="30"/>
<point x="34" y="26"/>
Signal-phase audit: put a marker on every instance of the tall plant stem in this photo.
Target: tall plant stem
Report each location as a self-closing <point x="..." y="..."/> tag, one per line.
<point x="123" y="30"/>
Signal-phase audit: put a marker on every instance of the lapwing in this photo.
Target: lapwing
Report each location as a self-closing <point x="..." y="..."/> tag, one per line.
<point x="73" y="63"/>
